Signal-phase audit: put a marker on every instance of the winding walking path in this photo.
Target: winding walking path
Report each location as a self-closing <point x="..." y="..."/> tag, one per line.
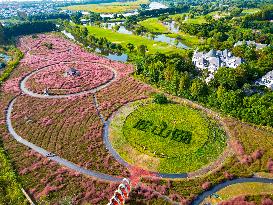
<point x="56" y="158"/>
<point x="37" y="95"/>
<point x="218" y="187"/>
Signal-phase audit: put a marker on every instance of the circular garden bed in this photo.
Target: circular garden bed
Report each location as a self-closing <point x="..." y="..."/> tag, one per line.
<point x="167" y="138"/>
<point x="69" y="78"/>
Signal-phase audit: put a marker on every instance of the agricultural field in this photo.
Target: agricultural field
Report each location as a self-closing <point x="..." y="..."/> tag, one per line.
<point x="115" y="7"/>
<point x="172" y="138"/>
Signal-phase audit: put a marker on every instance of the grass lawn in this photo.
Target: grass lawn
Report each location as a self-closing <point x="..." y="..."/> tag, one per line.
<point x="153" y="25"/>
<point x="241" y="189"/>
<point x="124" y="39"/>
<point x="163" y="151"/>
<point x="115" y="7"/>
<point x="187" y="38"/>
<point x="250" y="11"/>
<point x="248" y="188"/>
<point x="196" y="20"/>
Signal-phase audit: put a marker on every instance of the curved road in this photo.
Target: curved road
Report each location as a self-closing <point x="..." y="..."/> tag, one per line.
<point x="218" y="187"/>
<point x="37" y="95"/>
<point x="54" y="158"/>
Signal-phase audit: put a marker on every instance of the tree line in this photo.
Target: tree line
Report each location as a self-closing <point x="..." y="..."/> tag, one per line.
<point x="231" y="91"/>
<point x="25" y="28"/>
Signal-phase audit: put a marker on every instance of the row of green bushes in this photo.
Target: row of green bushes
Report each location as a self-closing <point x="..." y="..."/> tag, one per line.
<point x="11" y="65"/>
<point x="10" y="189"/>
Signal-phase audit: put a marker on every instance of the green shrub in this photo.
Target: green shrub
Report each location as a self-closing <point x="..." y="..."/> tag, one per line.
<point x="160" y="99"/>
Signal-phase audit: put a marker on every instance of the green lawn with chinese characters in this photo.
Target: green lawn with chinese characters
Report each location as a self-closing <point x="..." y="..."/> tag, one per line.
<point x="183" y="139"/>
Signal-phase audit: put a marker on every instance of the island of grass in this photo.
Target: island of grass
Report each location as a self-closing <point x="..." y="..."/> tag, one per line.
<point x="124" y="39"/>
<point x="153" y="25"/>
<point x="167" y="138"/>
<point x="240" y="189"/>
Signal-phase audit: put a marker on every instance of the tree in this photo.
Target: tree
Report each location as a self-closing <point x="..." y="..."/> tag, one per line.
<point x="2" y="36"/>
<point x="160" y="98"/>
<point x="226" y="77"/>
<point x="142" y="49"/>
<point x="83" y="32"/>
<point x="236" y="12"/>
<point x="198" y="89"/>
<point x="130" y="46"/>
<point x="184" y="82"/>
<point x="76" y="17"/>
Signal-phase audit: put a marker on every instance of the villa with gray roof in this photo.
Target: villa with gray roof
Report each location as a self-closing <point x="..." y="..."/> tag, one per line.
<point x="266" y="80"/>
<point x="251" y="43"/>
<point x="214" y="59"/>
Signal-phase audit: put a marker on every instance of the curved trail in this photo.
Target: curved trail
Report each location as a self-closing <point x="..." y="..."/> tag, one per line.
<point x="37" y="95"/>
<point x="57" y="159"/>
<point x="218" y="187"/>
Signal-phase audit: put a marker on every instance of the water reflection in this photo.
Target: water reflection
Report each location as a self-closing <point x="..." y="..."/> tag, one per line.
<point x="172" y="26"/>
<point x="5" y="57"/>
<point x="104" y="52"/>
<point x="166" y="39"/>
<point x="156" y="5"/>
<point x="121" y="29"/>
<point x="122" y="57"/>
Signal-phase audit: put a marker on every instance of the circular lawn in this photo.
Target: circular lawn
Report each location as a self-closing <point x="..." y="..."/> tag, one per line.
<point x="168" y="138"/>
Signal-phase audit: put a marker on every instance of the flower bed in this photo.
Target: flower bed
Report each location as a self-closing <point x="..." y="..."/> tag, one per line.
<point x="121" y="92"/>
<point x="58" y="81"/>
<point x="69" y="127"/>
<point x="63" y="56"/>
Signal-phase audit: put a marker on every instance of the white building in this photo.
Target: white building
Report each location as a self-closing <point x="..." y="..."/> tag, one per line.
<point x="266" y="80"/>
<point x="213" y="60"/>
<point x="251" y="43"/>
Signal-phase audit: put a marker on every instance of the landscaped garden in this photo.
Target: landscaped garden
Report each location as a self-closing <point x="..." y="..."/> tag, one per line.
<point x="171" y="137"/>
<point x="180" y="136"/>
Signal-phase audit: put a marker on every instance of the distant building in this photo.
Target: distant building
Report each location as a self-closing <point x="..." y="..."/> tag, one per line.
<point x="213" y="60"/>
<point x="84" y="21"/>
<point x="251" y="43"/>
<point x="72" y="72"/>
<point x="266" y="80"/>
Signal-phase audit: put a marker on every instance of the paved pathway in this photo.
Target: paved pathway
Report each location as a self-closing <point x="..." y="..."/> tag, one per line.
<point x="55" y="158"/>
<point x="37" y="95"/>
<point x="218" y="187"/>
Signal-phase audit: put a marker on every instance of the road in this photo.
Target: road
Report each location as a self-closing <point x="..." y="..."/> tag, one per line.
<point x="218" y="187"/>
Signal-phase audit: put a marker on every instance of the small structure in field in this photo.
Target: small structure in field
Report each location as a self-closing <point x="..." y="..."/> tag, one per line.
<point x="72" y="72"/>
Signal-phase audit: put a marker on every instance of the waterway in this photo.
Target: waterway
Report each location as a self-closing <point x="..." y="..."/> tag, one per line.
<point x="159" y="38"/>
<point x="122" y="57"/>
